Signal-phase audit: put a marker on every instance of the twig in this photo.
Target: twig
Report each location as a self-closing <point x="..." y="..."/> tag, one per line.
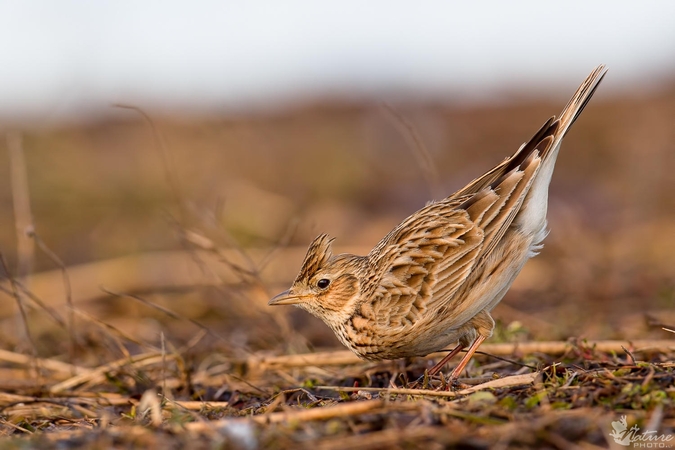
<point x="413" y="436"/>
<point x="114" y="333"/>
<point x="64" y="402"/>
<point x="16" y="427"/>
<point x="283" y="242"/>
<point x="166" y="311"/>
<point x="162" y="151"/>
<point x="630" y="355"/>
<point x="192" y="405"/>
<point x="21" y="306"/>
<point x="66" y="284"/>
<point x="35" y="299"/>
<point x="514" y="380"/>
<point x="150" y="404"/>
<point x="422" y="155"/>
<point x="304" y="415"/>
<point x="44" y="363"/>
<point x="163" y="365"/>
<point x="510" y="361"/>
<point x="23" y="217"/>
<point x="345" y="357"/>
<point x="144" y="359"/>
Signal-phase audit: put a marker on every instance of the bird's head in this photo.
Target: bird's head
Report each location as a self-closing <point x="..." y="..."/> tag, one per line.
<point x="327" y="286"/>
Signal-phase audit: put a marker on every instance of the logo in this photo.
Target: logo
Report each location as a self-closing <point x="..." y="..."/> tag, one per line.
<point x="648" y="439"/>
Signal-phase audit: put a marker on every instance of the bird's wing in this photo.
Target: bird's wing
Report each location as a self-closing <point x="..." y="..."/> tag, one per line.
<point x="427" y="258"/>
<point x="433" y="250"/>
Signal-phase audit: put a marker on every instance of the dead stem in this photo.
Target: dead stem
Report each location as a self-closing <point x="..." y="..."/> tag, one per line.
<point x="325" y="413"/>
<point x="67" y="287"/>
<point x="96" y="375"/>
<point x="515" y="380"/>
<point x="346" y="357"/>
<point x="44" y="363"/>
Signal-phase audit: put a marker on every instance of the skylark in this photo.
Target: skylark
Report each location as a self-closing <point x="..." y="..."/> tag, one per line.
<point x="433" y="280"/>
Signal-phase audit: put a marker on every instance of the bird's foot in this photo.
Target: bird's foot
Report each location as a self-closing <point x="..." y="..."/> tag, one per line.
<point x="453" y="384"/>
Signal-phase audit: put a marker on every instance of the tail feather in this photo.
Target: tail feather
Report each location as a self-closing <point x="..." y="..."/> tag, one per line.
<point x="532" y="217"/>
<point x="555" y="128"/>
<point x="580" y="99"/>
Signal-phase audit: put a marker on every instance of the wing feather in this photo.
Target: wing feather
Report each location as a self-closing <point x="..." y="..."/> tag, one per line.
<point x="439" y="252"/>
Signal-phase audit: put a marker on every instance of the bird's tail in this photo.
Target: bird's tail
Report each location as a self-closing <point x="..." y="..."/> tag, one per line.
<point x="546" y="140"/>
<point x="532" y="217"/>
<point x="516" y="191"/>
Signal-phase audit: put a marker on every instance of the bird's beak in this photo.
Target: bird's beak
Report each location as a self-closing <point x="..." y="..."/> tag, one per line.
<point x="285" y="298"/>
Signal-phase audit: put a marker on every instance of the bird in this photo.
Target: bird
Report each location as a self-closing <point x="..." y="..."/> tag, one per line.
<point x="435" y="278"/>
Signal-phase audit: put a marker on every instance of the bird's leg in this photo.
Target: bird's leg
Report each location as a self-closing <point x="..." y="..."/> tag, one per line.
<point x="483" y="324"/>
<point x="480" y="326"/>
<point x="437" y="368"/>
<point x="465" y="359"/>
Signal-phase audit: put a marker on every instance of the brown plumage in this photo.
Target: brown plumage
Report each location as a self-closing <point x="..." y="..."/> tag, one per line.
<point x="434" y="279"/>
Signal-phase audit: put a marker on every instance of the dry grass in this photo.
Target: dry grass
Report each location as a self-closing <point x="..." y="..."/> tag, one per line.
<point x="145" y="323"/>
<point x="157" y="398"/>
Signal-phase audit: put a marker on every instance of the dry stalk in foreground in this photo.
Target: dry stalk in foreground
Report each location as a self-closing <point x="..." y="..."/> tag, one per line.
<point x="23" y="216"/>
<point x="98" y="374"/>
<point x="325" y="413"/>
<point x="515" y="380"/>
<point x="43" y="363"/>
<point x="388" y="438"/>
<point x="346" y="357"/>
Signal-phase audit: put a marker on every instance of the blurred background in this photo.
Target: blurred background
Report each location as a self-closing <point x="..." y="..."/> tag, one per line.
<point x="188" y="154"/>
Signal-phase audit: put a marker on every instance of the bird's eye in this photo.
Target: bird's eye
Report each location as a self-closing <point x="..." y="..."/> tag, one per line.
<point x="323" y="283"/>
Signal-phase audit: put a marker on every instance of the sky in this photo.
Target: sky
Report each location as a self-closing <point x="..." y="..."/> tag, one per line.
<point x="64" y="59"/>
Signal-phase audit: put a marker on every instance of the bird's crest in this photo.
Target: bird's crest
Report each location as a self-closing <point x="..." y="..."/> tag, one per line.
<point x="318" y="254"/>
